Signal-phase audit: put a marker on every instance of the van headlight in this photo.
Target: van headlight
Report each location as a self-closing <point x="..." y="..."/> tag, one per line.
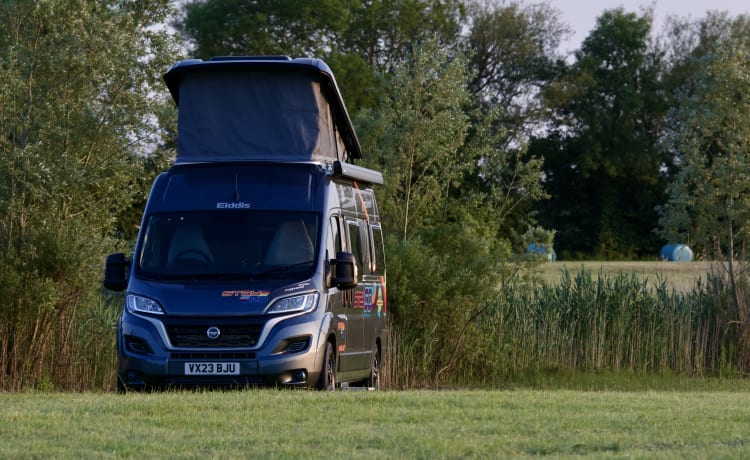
<point x="138" y="304"/>
<point x="296" y="304"/>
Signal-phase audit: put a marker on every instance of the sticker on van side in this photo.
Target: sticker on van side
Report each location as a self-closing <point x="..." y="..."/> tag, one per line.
<point x="372" y="299"/>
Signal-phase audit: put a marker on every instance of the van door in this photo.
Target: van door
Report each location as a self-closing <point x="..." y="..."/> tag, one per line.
<point x="374" y="281"/>
<point x="359" y="246"/>
<point x="341" y="302"/>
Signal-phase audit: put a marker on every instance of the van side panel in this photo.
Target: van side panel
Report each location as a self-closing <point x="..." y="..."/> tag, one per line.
<point x="364" y="307"/>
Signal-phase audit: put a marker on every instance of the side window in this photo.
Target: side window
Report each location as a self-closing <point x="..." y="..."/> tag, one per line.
<point x="378" y="263"/>
<point x="368" y="199"/>
<point x="357" y="245"/>
<point x="346" y="197"/>
<point x="333" y="243"/>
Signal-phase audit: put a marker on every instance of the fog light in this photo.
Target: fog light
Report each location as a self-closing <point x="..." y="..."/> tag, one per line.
<point x="133" y="377"/>
<point x="299" y="376"/>
<point x="137" y="345"/>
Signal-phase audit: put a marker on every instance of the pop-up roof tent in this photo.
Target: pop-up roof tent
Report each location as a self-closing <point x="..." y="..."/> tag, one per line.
<point x="260" y="108"/>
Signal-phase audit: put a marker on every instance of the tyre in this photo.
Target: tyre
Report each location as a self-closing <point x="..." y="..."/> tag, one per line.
<point x="373" y="381"/>
<point x="327" y="380"/>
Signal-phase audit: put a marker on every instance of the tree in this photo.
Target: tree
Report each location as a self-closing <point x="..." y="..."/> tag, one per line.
<point x="446" y="259"/>
<point x="709" y="198"/>
<point x="686" y="40"/>
<point x="513" y="49"/>
<point x="76" y="101"/>
<point x="416" y="139"/>
<point x="602" y="167"/>
<point x="264" y="27"/>
<point x="693" y="44"/>
<point x="360" y="40"/>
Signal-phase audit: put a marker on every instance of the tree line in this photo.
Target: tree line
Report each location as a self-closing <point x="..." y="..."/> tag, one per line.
<point x="488" y="137"/>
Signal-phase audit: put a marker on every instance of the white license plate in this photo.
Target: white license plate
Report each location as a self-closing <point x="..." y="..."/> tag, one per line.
<point x="212" y="368"/>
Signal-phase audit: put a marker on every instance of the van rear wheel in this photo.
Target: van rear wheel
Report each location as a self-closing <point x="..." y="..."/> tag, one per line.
<point x="327" y="380"/>
<point x="374" y="380"/>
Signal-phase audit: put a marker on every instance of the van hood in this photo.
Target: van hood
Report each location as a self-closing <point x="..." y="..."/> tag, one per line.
<point x="219" y="299"/>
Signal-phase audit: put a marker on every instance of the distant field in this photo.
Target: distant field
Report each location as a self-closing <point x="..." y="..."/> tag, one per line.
<point x="679" y="275"/>
<point x="414" y="424"/>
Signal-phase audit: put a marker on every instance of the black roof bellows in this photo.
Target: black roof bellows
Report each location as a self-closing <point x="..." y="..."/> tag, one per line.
<point x="270" y="108"/>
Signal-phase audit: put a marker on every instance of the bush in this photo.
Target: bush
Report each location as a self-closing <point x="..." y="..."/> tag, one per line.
<point x="51" y="330"/>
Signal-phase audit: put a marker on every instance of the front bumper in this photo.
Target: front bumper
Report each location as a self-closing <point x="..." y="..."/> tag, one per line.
<point x="288" y="351"/>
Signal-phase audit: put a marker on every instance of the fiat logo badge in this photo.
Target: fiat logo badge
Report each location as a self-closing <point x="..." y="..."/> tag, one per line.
<point x="213" y="332"/>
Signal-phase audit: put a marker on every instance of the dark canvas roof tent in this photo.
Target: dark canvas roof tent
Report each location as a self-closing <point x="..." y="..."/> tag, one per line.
<point x="270" y="108"/>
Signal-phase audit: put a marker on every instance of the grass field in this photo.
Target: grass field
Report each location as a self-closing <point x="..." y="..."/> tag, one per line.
<point x="424" y="424"/>
<point x="679" y="275"/>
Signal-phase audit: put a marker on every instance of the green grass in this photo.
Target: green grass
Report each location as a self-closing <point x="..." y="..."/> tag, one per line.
<point x="679" y="275"/>
<point x="416" y="424"/>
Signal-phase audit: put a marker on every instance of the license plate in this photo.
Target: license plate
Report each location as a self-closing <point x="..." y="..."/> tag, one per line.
<point x="212" y="368"/>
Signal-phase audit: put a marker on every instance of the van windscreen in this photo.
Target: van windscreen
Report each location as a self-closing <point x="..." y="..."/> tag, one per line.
<point x="228" y="244"/>
<point x="261" y="186"/>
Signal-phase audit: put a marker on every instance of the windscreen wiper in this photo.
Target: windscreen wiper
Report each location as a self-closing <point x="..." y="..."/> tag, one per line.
<point x="281" y="268"/>
<point x="228" y="275"/>
<point x="204" y="276"/>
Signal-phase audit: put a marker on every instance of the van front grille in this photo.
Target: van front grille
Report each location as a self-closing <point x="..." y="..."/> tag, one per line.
<point x="230" y="336"/>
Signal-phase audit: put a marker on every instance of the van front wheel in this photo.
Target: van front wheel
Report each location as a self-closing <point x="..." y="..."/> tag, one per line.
<point x="327" y="380"/>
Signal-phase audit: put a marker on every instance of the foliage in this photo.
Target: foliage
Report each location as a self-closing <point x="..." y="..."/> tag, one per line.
<point x="512" y="48"/>
<point x="420" y="140"/>
<point x="709" y="199"/>
<point x="582" y="324"/>
<point x="686" y="41"/>
<point x="615" y="322"/>
<point x="578" y="324"/>
<point x="415" y="139"/>
<point x="539" y="243"/>
<point x="602" y="166"/>
<point x="359" y="39"/>
<point x="709" y="196"/>
<point x="75" y="106"/>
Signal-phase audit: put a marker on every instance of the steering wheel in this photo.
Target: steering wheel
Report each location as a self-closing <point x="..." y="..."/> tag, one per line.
<point x="195" y="254"/>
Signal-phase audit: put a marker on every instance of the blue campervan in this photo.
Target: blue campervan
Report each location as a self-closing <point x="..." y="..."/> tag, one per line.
<point x="259" y="260"/>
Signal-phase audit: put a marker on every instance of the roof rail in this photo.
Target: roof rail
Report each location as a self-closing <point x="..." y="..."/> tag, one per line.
<point x="251" y="58"/>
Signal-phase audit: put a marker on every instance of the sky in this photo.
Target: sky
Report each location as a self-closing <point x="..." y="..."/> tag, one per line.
<point x="581" y="15"/>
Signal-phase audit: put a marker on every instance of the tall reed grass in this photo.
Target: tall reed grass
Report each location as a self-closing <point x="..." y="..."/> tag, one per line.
<point x="613" y="323"/>
<point x="69" y="349"/>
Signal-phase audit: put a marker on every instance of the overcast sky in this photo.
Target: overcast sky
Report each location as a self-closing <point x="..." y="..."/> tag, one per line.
<point x="581" y="15"/>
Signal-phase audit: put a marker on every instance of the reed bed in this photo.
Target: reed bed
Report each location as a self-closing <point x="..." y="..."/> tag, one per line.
<point x="613" y="323"/>
<point x="584" y="323"/>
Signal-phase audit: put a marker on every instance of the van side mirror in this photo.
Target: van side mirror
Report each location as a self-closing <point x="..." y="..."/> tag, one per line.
<point x="115" y="272"/>
<point x="344" y="268"/>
